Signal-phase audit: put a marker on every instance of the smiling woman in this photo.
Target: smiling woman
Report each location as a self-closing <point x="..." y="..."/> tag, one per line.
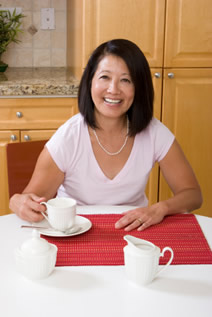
<point x="131" y="78"/>
<point x="104" y="155"/>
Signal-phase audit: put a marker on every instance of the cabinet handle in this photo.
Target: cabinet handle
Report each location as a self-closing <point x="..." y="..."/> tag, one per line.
<point x="171" y="75"/>
<point x="27" y="137"/>
<point x="157" y="75"/>
<point x="19" y="114"/>
<point x="13" y="137"/>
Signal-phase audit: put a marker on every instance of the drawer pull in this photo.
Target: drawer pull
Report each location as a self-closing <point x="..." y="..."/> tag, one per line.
<point x="27" y="137"/>
<point x="13" y="137"/>
<point x="171" y="75"/>
<point x="157" y="75"/>
<point x="19" y="114"/>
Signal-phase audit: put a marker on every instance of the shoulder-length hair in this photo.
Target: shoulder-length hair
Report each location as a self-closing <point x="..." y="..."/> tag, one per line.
<point x="141" y="111"/>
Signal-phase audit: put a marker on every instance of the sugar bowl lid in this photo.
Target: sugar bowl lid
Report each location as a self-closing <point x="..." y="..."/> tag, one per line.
<point x="35" y="245"/>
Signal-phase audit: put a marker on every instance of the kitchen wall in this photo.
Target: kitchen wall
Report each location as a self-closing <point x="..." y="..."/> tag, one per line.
<point x="38" y="48"/>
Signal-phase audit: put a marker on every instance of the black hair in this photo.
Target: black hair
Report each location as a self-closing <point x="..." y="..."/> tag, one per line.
<point x="141" y="111"/>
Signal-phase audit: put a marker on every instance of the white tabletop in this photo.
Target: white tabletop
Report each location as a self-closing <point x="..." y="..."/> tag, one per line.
<point x="182" y="290"/>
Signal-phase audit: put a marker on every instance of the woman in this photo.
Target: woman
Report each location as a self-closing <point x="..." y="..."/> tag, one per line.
<point x="103" y="156"/>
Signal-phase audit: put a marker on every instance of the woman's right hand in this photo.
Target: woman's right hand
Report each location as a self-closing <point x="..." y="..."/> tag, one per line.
<point x="27" y="206"/>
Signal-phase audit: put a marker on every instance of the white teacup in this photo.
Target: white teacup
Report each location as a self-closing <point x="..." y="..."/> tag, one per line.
<point x="141" y="259"/>
<point x="60" y="212"/>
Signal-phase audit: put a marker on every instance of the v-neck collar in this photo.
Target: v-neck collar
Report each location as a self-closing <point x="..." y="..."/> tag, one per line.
<point x="124" y="169"/>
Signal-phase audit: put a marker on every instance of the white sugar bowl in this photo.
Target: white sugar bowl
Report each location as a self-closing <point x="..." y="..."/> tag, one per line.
<point x="36" y="258"/>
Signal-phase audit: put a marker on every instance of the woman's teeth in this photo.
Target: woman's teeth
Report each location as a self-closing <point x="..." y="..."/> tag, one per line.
<point x="112" y="101"/>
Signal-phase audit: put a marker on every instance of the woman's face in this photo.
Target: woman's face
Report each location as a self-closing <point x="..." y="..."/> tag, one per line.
<point x="112" y="89"/>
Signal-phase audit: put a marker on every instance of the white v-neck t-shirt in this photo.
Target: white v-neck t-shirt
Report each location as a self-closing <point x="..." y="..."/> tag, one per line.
<point x="70" y="148"/>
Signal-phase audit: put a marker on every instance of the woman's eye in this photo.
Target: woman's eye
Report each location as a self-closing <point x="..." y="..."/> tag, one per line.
<point x="104" y="77"/>
<point x="126" y="80"/>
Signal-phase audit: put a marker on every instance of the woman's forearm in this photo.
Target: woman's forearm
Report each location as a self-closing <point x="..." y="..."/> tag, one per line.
<point x="184" y="201"/>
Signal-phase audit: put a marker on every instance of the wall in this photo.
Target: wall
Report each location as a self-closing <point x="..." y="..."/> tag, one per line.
<point x="45" y="48"/>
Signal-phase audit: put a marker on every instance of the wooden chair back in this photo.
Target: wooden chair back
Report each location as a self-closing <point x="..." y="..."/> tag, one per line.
<point x="21" y="160"/>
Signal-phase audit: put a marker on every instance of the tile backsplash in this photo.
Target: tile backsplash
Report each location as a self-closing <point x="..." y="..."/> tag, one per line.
<point x="38" y="48"/>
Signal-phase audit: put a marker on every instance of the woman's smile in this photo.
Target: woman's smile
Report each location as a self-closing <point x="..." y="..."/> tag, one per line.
<point x="115" y="103"/>
<point x="112" y="101"/>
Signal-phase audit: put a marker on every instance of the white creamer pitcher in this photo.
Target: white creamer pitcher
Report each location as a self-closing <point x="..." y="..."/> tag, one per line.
<point x="141" y="259"/>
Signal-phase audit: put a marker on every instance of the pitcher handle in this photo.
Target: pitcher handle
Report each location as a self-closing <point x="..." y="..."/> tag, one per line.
<point x="170" y="260"/>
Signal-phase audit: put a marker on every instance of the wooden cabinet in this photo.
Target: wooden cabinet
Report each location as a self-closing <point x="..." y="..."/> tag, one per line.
<point x="93" y="22"/>
<point x="153" y="183"/>
<point x="170" y="33"/>
<point x="5" y="137"/>
<point x="176" y="38"/>
<point x="188" y="33"/>
<point x="187" y="112"/>
<point x="37" y="113"/>
<point x="34" y="135"/>
<point x="187" y="86"/>
<point x="28" y="119"/>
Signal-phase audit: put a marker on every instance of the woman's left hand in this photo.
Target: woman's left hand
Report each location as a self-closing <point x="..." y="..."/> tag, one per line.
<point x="142" y="218"/>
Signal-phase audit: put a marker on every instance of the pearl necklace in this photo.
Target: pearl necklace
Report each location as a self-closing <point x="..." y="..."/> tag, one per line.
<point x="119" y="151"/>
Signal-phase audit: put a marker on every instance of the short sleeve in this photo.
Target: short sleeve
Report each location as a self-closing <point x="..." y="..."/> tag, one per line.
<point x="62" y="145"/>
<point x="163" y="139"/>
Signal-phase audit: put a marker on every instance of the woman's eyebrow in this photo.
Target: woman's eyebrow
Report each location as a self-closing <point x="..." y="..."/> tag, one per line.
<point x="108" y="71"/>
<point x="103" y="71"/>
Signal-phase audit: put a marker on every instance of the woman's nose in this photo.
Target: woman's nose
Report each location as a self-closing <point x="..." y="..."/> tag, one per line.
<point x="113" y="87"/>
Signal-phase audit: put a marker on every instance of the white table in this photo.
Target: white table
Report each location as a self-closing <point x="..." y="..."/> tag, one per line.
<point x="182" y="290"/>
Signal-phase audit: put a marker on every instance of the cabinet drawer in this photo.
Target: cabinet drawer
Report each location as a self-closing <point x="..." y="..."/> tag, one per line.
<point x="9" y="136"/>
<point x="35" y="135"/>
<point x="32" y="113"/>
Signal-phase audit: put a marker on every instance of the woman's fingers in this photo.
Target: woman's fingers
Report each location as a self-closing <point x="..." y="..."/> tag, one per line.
<point x="140" y="218"/>
<point x="28" y="207"/>
<point x="131" y="220"/>
<point x="144" y="225"/>
<point x="139" y="224"/>
<point x="126" y="221"/>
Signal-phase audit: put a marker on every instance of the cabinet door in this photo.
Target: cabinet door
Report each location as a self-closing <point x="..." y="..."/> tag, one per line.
<point x="36" y="135"/>
<point x="187" y="111"/>
<point x="93" y="22"/>
<point x="188" y="35"/>
<point x="152" y="186"/>
<point x="5" y="138"/>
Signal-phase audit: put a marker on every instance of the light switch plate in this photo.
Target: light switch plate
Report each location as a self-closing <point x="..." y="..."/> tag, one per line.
<point x="47" y="19"/>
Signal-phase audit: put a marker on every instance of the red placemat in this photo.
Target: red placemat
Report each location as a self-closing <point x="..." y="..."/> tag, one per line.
<point x="103" y="244"/>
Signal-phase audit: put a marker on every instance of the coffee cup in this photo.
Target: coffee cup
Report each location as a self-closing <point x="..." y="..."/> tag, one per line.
<point x="141" y="260"/>
<point x="60" y="212"/>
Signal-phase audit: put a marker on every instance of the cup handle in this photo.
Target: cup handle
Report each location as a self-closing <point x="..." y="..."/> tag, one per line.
<point x="45" y="216"/>
<point x="170" y="260"/>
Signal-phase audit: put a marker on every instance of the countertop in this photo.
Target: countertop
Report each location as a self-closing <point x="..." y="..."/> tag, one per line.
<point x="45" y="81"/>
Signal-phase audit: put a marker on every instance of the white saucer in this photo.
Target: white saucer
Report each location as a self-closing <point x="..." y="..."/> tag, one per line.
<point x="82" y="222"/>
